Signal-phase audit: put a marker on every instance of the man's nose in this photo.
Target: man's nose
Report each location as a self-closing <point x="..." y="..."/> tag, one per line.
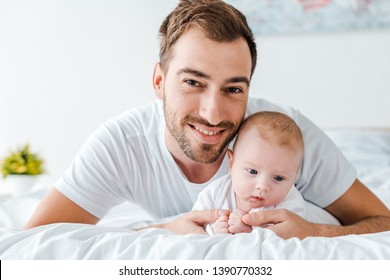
<point x="211" y="106"/>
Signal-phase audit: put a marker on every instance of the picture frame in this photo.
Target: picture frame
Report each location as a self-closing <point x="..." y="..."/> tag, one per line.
<point x="286" y="17"/>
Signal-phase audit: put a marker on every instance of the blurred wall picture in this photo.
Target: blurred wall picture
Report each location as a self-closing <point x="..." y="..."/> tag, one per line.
<point x="284" y="17"/>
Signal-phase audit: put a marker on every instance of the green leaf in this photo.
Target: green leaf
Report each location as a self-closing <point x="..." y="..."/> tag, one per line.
<point x="22" y="162"/>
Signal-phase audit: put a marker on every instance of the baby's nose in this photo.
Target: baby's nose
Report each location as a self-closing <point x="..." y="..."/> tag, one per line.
<point x="263" y="187"/>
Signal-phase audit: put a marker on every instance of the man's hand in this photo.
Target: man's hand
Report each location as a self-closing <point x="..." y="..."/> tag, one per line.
<point x="283" y="222"/>
<point x="357" y="216"/>
<point x="235" y="222"/>
<point x="193" y="222"/>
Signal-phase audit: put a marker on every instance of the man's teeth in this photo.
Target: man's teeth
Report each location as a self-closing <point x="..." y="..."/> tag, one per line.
<point x="209" y="133"/>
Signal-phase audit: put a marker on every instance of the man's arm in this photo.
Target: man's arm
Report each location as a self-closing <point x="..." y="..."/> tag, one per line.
<point x="192" y="222"/>
<point x="358" y="210"/>
<point x="55" y="208"/>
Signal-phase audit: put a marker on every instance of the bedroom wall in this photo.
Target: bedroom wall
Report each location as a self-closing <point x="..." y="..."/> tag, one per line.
<point x="337" y="79"/>
<point x="67" y="66"/>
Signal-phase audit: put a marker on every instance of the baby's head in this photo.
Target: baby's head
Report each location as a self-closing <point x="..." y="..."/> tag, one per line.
<point x="273" y="127"/>
<point x="266" y="158"/>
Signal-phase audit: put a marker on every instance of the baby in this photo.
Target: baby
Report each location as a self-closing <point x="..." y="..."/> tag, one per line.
<point x="264" y="166"/>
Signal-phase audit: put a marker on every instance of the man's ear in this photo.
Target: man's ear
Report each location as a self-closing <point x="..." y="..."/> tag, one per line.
<point x="231" y="158"/>
<point x="158" y="77"/>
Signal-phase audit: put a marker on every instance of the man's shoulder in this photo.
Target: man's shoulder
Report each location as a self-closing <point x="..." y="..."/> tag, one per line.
<point x="260" y="104"/>
<point x="140" y="121"/>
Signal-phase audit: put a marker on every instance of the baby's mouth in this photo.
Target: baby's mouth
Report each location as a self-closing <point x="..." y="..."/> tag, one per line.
<point x="257" y="198"/>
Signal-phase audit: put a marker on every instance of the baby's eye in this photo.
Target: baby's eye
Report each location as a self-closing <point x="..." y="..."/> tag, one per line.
<point x="278" y="178"/>
<point x="252" y="171"/>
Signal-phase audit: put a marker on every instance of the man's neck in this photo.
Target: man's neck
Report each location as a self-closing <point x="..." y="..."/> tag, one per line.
<point x="197" y="172"/>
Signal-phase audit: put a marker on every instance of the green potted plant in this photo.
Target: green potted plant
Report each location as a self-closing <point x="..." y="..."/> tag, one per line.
<point x="20" y="169"/>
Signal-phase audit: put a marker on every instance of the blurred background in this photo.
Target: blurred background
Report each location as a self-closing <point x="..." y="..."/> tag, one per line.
<point x="68" y="66"/>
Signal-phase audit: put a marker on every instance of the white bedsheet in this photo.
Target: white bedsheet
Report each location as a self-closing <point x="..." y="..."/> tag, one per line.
<point x="113" y="238"/>
<point x="76" y="241"/>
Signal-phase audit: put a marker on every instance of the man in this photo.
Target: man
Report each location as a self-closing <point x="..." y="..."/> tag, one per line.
<point x="162" y="155"/>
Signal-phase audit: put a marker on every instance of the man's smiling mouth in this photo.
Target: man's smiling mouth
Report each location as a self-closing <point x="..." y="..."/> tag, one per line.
<point x="209" y="133"/>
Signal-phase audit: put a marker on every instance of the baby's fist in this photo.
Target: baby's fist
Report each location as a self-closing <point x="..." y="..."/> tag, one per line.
<point x="235" y="222"/>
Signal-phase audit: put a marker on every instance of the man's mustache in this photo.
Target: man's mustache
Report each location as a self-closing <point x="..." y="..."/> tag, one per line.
<point x="199" y="120"/>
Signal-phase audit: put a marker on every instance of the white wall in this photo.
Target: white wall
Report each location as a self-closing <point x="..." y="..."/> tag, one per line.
<point x="337" y="79"/>
<point x="67" y="66"/>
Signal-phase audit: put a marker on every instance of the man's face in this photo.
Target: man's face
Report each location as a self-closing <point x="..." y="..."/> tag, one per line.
<point x="204" y="91"/>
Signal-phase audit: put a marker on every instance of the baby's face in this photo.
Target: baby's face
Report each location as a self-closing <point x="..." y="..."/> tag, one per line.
<point x="262" y="172"/>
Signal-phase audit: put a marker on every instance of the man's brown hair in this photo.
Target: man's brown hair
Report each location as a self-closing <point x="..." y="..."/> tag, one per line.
<point x="218" y="20"/>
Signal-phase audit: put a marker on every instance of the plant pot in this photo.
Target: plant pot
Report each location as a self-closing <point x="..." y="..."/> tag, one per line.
<point x="20" y="184"/>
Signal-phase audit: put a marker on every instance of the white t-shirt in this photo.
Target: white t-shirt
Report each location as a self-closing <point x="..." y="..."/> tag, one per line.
<point x="126" y="159"/>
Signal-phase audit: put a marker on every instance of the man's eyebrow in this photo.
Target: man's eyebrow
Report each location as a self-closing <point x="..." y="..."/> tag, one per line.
<point x="200" y="74"/>
<point x="193" y="72"/>
<point x="240" y="79"/>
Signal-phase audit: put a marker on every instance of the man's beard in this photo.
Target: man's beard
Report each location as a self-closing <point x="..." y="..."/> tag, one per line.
<point x="206" y="153"/>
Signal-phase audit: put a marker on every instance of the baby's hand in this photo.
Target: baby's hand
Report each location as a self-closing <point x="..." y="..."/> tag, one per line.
<point x="220" y="226"/>
<point x="235" y="222"/>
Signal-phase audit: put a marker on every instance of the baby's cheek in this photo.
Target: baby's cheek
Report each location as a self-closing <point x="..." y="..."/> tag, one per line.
<point x="278" y="195"/>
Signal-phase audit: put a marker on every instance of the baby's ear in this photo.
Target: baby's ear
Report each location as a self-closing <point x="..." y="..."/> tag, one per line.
<point x="230" y="156"/>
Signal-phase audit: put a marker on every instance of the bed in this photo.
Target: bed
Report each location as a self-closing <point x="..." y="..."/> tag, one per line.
<point x="112" y="238"/>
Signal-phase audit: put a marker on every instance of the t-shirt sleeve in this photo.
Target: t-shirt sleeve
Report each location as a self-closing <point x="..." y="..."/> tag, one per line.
<point x="94" y="179"/>
<point x="326" y="174"/>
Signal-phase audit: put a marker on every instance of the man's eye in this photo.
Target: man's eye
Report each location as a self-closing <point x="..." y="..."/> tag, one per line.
<point x="191" y="82"/>
<point x="233" y="90"/>
<point x="252" y="171"/>
<point x="278" y="178"/>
